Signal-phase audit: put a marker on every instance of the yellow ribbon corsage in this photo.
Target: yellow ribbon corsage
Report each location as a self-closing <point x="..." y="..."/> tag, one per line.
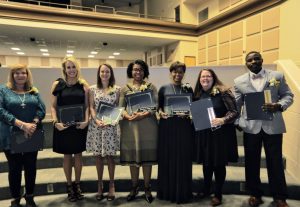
<point x="214" y="91"/>
<point x="274" y="83"/>
<point x="111" y="90"/>
<point x="143" y="87"/>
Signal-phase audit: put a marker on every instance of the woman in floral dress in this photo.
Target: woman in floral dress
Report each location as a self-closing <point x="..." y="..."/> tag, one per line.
<point x="103" y="140"/>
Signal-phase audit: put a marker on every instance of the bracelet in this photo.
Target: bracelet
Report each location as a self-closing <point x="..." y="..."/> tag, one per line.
<point x="54" y="122"/>
<point x="21" y="127"/>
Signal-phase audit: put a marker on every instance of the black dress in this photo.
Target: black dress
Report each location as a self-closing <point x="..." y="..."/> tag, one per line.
<point x="174" y="153"/>
<point x="216" y="148"/>
<point x="70" y="140"/>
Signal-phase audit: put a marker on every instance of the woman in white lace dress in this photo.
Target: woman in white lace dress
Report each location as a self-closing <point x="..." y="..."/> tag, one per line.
<point x="103" y="140"/>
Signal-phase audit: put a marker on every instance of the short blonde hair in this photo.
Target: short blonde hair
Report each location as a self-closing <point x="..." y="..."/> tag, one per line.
<point x="28" y="86"/>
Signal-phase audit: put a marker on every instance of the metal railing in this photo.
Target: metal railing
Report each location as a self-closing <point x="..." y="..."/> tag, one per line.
<point x="97" y="8"/>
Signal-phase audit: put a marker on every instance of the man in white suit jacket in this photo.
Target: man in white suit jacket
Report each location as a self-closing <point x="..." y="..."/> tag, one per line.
<point x="268" y="133"/>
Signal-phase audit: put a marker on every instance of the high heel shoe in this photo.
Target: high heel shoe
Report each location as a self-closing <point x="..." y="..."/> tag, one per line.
<point x="78" y="191"/>
<point x="16" y="202"/>
<point x="133" y="193"/>
<point x="71" y="193"/>
<point x="148" y="195"/>
<point x="99" y="195"/>
<point x="111" y="193"/>
<point x="29" y="201"/>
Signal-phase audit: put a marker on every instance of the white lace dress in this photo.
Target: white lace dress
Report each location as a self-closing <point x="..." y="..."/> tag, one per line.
<point x="103" y="141"/>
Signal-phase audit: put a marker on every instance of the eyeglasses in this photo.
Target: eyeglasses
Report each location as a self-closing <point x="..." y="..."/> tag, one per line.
<point x="206" y="76"/>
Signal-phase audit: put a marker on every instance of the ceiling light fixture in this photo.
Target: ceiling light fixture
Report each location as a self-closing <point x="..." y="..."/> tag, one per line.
<point x="70" y="51"/>
<point x="69" y="55"/>
<point x="91" y="56"/>
<point x="15" y="48"/>
<point x="94" y="52"/>
<point x="20" y="53"/>
<point x="111" y="57"/>
<point x="116" y="53"/>
<point x="46" y="54"/>
<point x="44" y="50"/>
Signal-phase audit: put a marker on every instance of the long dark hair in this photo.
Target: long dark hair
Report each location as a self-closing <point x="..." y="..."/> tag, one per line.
<point x="111" y="81"/>
<point x="142" y="64"/>
<point x="216" y="83"/>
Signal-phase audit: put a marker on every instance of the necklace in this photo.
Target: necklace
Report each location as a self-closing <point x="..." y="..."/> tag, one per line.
<point x="175" y="90"/>
<point x="22" y="100"/>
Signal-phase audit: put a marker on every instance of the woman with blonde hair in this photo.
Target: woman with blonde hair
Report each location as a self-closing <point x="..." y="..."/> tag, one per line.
<point x="69" y="140"/>
<point x="20" y="107"/>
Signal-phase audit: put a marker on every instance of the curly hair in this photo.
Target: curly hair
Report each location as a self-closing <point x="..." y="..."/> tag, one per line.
<point x="143" y="65"/>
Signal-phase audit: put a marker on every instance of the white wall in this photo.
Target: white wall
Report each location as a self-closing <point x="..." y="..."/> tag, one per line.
<point x="163" y="8"/>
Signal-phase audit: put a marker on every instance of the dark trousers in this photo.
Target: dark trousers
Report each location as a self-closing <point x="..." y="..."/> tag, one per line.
<point x="273" y="149"/>
<point x="220" y="174"/>
<point x="16" y="162"/>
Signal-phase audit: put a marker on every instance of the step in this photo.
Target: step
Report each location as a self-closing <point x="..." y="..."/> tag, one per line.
<point x="49" y="159"/>
<point x="52" y="181"/>
<point x="60" y="200"/>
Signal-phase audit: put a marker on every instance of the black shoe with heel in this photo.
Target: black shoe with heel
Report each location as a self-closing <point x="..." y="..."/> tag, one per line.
<point x="15" y="202"/>
<point x="148" y="195"/>
<point x="71" y="193"/>
<point x="133" y="193"/>
<point x="29" y="201"/>
<point x="78" y="191"/>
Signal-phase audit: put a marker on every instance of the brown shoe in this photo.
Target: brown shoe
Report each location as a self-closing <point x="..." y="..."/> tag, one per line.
<point x="255" y="201"/>
<point x="280" y="203"/>
<point x="215" y="201"/>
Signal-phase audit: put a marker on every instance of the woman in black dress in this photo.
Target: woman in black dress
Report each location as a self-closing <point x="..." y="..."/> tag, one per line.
<point x="174" y="144"/>
<point x="215" y="148"/>
<point x="69" y="140"/>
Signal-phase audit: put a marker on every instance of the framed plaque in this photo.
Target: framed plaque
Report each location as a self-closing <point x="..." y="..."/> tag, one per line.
<point x="141" y="101"/>
<point x="21" y="143"/>
<point x="71" y="114"/>
<point x="202" y="114"/>
<point x="253" y="105"/>
<point x="109" y="114"/>
<point x="177" y="104"/>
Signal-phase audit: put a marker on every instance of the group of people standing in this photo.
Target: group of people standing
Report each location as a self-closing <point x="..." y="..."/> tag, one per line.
<point x="149" y="137"/>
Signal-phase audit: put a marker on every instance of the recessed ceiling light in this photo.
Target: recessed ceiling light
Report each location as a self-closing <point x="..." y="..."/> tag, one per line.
<point x="94" y="52"/>
<point x="46" y="54"/>
<point x="69" y="55"/>
<point x="122" y="49"/>
<point x="42" y="45"/>
<point x="15" y="48"/>
<point x="9" y="43"/>
<point x="116" y="53"/>
<point x="44" y="50"/>
<point x="111" y="57"/>
<point x="20" y="53"/>
<point x="91" y="56"/>
<point x="70" y="51"/>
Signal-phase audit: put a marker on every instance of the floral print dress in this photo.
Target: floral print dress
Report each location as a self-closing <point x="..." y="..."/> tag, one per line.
<point x="103" y="141"/>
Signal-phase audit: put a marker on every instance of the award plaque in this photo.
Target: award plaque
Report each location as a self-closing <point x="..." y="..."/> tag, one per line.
<point x="253" y="105"/>
<point x="140" y="101"/>
<point x="71" y="114"/>
<point x="21" y="143"/>
<point x="202" y="114"/>
<point x="177" y="104"/>
<point x="109" y="114"/>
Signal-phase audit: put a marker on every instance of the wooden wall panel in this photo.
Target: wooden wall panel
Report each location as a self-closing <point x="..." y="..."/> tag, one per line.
<point x="237" y="30"/>
<point x="202" y="42"/>
<point x="236" y="48"/>
<point x="253" y="43"/>
<point x="237" y="61"/>
<point x="224" y="51"/>
<point x="83" y="62"/>
<point x="212" y="54"/>
<point x="23" y="60"/>
<point x="253" y="25"/>
<point x="271" y="19"/>
<point x="212" y="39"/>
<point x="270" y="40"/>
<point x="224" y="62"/>
<point x="202" y="56"/>
<point x="45" y="61"/>
<point x="270" y="57"/>
<point x="212" y="63"/>
<point x="224" y="34"/>
<point x="2" y="60"/>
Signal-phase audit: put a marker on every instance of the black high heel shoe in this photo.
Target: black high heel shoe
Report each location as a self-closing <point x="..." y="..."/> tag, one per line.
<point x="133" y="193"/>
<point x="78" y="191"/>
<point x="148" y="196"/>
